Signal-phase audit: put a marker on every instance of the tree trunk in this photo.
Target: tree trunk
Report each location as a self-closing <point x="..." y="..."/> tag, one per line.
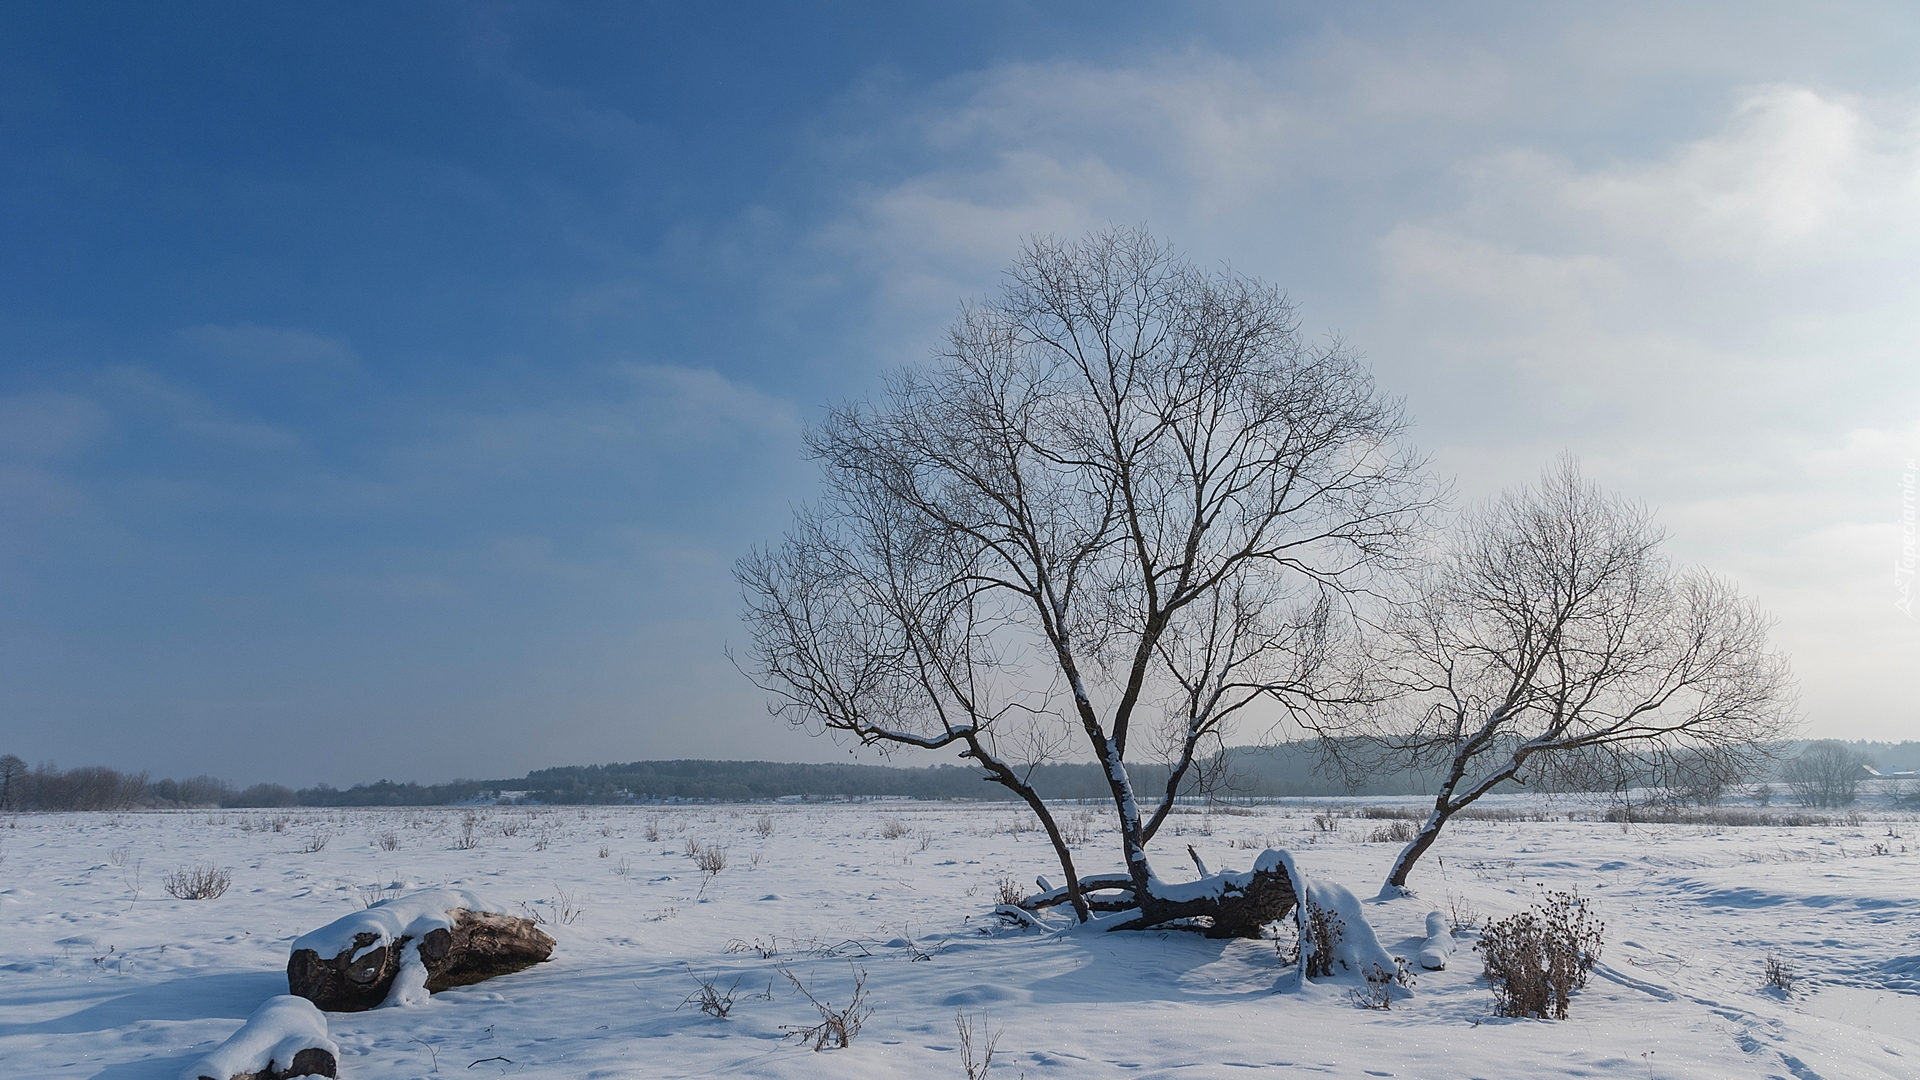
<point x="1133" y="845"/>
<point x="1403" y="864"/>
<point x="1445" y="806"/>
<point x="1004" y="775"/>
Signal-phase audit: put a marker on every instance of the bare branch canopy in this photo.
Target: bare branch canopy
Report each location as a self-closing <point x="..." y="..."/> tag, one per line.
<point x="1126" y="501"/>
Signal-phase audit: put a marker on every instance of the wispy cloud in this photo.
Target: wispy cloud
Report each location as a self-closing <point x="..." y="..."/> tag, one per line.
<point x="144" y="391"/>
<point x="272" y="347"/>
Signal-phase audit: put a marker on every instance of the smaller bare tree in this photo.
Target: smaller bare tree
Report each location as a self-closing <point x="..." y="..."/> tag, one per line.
<point x="13" y="778"/>
<point x="1826" y="773"/>
<point x="1553" y="644"/>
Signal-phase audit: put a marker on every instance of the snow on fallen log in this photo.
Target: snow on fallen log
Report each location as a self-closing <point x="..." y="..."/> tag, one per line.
<point x="401" y="949"/>
<point x="1232" y="904"/>
<point x="1437" y="950"/>
<point x="1336" y="941"/>
<point x="285" y="1037"/>
<point x="1236" y="904"/>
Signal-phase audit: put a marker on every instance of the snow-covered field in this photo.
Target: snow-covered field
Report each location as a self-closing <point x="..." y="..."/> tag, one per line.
<point x="102" y="974"/>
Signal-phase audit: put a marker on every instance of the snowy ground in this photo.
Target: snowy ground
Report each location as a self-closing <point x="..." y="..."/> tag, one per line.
<point x="102" y="974"/>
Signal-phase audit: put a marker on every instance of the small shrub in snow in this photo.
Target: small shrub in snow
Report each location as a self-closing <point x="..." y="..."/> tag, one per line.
<point x="894" y="829"/>
<point x="1285" y="935"/>
<point x="768" y="951"/>
<point x="1378" y="993"/>
<point x="1010" y="891"/>
<point x="388" y="841"/>
<point x="763" y="825"/>
<point x="197" y="882"/>
<point x="1537" y="958"/>
<point x="1077" y="828"/>
<point x="563" y="910"/>
<point x="316" y="842"/>
<point x="1323" y="933"/>
<point x="1388" y="813"/>
<point x="1462" y="916"/>
<point x="1395" y="832"/>
<point x="716" y="1002"/>
<point x="710" y="860"/>
<point x="469" y="836"/>
<point x="837" y="1027"/>
<point x="1780" y="974"/>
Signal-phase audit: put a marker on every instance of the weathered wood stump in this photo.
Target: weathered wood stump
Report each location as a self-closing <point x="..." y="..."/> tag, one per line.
<point x="424" y="942"/>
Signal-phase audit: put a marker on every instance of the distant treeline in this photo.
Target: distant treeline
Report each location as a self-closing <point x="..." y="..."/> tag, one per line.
<point x="1288" y="769"/>
<point x="91" y="787"/>
<point x="1250" y="772"/>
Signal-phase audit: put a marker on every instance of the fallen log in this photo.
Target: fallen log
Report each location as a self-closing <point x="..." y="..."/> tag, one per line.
<point x="1235" y="904"/>
<point x="400" y="950"/>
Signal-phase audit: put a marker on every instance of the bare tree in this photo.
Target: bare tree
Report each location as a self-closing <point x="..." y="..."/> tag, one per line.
<point x="1825" y="773"/>
<point x="13" y="777"/>
<point x="1123" y="505"/>
<point x="1553" y="644"/>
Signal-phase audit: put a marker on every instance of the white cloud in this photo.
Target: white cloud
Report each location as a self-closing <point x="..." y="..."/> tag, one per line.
<point x="658" y="409"/>
<point x="1793" y="175"/>
<point x="1723" y="322"/>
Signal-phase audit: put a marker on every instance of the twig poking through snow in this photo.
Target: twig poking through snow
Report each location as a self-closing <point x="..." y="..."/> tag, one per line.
<point x="976" y="1046"/>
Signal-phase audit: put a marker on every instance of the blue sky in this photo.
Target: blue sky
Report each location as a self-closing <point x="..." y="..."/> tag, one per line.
<point x="385" y="390"/>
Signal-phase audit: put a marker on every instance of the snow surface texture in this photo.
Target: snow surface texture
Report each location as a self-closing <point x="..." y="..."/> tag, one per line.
<point x="1438" y="948"/>
<point x="104" y="975"/>
<point x="411" y="917"/>
<point x="272" y="1036"/>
